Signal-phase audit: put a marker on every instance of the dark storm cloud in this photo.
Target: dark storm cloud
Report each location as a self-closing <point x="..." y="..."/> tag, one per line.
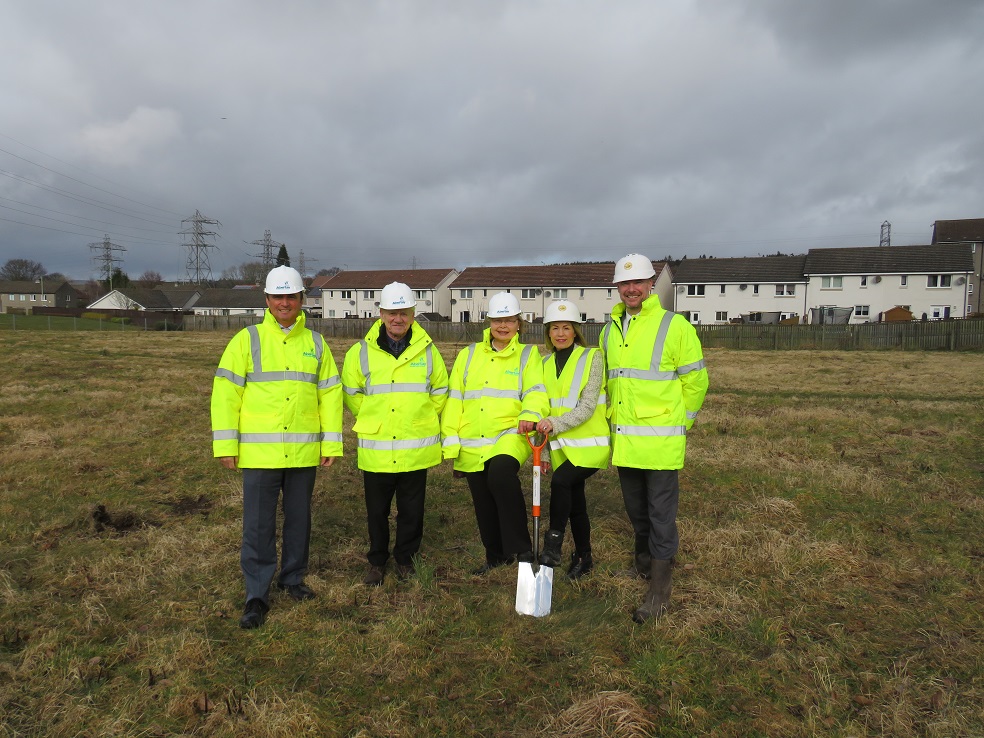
<point x="374" y="134"/>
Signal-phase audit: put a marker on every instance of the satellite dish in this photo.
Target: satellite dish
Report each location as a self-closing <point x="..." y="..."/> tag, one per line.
<point x="376" y="304"/>
<point x="453" y="301"/>
<point x="876" y="280"/>
<point x="351" y="302"/>
<point x="539" y="292"/>
<point x="960" y="280"/>
<point x="427" y="302"/>
<point x="547" y="293"/>
<point x="743" y="286"/>
<point x="681" y="289"/>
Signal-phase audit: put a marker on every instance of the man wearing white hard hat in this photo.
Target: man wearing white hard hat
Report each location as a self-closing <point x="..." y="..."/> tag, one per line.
<point x="277" y="416"/>
<point x="395" y="384"/>
<point x="495" y="397"/>
<point x="656" y="386"/>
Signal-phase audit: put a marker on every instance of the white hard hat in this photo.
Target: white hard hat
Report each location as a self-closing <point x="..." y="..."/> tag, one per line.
<point x="284" y="280"/>
<point x="633" y="266"/>
<point x="396" y="296"/>
<point x="562" y="310"/>
<point x="503" y="305"/>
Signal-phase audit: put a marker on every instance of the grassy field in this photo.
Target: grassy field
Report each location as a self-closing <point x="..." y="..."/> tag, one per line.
<point x="828" y="582"/>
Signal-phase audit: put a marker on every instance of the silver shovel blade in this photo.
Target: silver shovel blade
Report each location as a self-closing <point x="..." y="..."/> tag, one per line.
<point x="525" y="589"/>
<point x="533" y="591"/>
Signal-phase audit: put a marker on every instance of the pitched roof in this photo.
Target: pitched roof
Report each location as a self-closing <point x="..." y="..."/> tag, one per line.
<point x="149" y="299"/>
<point x="415" y="279"/>
<point x="951" y="231"/>
<point x="220" y="297"/>
<point x="954" y="257"/>
<point x="595" y="274"/>
<point x="26" y="287"/>
<point x="743" y="269"/>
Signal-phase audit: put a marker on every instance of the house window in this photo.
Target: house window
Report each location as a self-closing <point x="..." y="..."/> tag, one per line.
<point x="331" y="293"/>
<point x="369" y="295"/>
<point x="12" y="297"/>
<point x="864" y="281"/>
<point x="367" y="314"/>
<point x="937" y="280"/>
<point x="755" y="289"/>
<point x="420" y="294"/>
<point x="722" y="289"/>
<point x="560" y="294"/>
<point x="695" y="290"/>
<point x="970" y="288"/>
<point x="582" y="293"/>
<point x="23" y="297"/>
<point x="485" y="293"/>
<point x="584" y="317"/>
<point x="331" y="313"/>
<point x="609" y="297"/>
<point x="346" y="295"/>
<point x="939" y="311"/>
<point x="755" y="317"/>
<point x="721" y="316"/>
<point x="832" y="283"/>
<point x="34" y="298"/>
<point x="529" y="294"/>
<point x="465" y="295"/>
<point x="608" y="316"/>
<point x="861" y="311"/>
<point x="783" y="290"/>
<point x="904" y="280"/>
<point x="695" y="318"/>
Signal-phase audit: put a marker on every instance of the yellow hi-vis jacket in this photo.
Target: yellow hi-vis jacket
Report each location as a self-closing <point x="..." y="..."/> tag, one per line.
<point x="277" y="398"/>
<point x="587" y="444"/>
<point x="488" y="394"/>
<point x="656" y="385"/>
<point x="397" y="402"/>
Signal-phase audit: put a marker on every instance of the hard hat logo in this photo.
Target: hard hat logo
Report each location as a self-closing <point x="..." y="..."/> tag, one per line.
<point x="283" y="280"/>
<point x="562" y="308"/>
<point x="397" y="296"/>
<point x="627" y="265"/>
<point x="633" y="266"/>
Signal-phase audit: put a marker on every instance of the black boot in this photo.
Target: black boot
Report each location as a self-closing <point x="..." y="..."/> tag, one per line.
<point x="658" y="596"/>
<point x="552" y="543"/>
<point x="642" y="562"/>
<point x="581" y="564"/>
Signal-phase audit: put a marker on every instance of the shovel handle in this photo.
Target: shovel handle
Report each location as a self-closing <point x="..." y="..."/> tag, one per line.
<point x="537" y="447"/>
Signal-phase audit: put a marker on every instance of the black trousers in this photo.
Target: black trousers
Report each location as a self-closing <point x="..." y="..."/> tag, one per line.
<point x="262" y="490"/>
<point x="651" y="499"/>
<point x="500" y="508"/>
<point x="409" y="489"/>
<point x="567" y="502"/>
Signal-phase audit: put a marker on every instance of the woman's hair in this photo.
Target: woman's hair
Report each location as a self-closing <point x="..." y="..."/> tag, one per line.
<point x="578" y="336"/>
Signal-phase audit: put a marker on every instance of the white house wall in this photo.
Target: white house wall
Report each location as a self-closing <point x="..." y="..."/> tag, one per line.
<point x="884" y="291"/>
<point x="715" y="307"/>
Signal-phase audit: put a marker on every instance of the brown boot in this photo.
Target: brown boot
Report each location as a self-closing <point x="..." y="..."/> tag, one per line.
<point x="658" y="597"/>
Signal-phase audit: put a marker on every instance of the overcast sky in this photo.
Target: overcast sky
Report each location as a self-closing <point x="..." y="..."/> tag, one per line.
<point x="454" y="133"/>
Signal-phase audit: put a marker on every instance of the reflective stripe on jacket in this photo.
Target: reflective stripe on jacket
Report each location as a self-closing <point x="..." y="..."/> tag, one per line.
<point x="397" y="402"/>
<point x="585" y="445"/>
<point x="489" y="392"/>
<point x="656" y="385"/>
<point x="276" y="398"/>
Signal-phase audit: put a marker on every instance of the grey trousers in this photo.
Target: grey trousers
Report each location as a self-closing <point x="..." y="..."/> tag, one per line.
<point x="262" y="489"/>
<point x="651" y="499"/>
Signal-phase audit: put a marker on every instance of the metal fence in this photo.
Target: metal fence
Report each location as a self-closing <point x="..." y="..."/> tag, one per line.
<point x="944" y="335"/>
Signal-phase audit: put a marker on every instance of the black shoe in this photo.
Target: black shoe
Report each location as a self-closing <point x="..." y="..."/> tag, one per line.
<point x="254" y="614"/>
<point x="526" y="557"/>
<point x="490" y="565"/>
<point x="373" y="577"/>
<point x="404" y="571"/>
<point x="581" y="564"/>
<point x="552" y="543"/>
<point x="298" y="591"/>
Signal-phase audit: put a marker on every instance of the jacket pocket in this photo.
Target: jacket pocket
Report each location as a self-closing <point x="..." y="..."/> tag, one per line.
<point x="367" y="427"/>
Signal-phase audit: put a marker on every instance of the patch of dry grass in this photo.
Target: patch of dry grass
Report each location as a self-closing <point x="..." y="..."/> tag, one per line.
<point x="826" y="584"/>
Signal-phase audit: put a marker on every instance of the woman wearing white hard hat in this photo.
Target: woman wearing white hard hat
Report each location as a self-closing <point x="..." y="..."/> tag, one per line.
<point x="495" y="397"/>
<point x="578" y="428"/>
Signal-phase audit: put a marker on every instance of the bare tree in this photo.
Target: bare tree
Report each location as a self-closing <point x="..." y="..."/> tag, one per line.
<point x="22" y="270"/>
<point x="149" y="279"/>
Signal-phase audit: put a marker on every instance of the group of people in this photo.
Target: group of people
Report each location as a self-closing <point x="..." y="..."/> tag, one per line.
<point x="277" y="404"/>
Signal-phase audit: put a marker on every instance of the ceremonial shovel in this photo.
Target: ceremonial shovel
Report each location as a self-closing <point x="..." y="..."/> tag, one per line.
<point x="533" y="590"/>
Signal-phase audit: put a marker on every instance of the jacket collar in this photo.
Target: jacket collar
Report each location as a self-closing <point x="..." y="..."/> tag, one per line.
<point x="270" y="321"/>
<point x="649" y="306"/>
<point x="487" y="343"/>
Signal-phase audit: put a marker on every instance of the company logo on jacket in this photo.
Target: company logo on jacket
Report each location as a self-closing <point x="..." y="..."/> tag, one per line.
<point x="513" y="372"/>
